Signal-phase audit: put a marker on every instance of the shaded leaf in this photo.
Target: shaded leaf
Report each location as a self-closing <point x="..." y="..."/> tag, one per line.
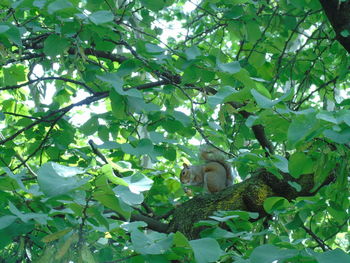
<point x="55" y="179"/>
<point x="206" y="250"/>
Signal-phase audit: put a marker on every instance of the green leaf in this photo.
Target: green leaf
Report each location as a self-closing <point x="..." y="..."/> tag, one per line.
<point x="343" y="116"/>
<point x="107" y="170"/>
<point x="55" y="45"/>
<point x="4" y="28"/>
<point x="56" y="235"/>
<point x="338" y="137"/>
<point x="39" y="3"/>
<point x="270" y="253"/>
<point x="7" y="220"/>
<point x="154" y="5"/>
<point x="345" y="33"/>
<point x="25" y="217"/>
<point x="86" y="255"/>
<point x="281" y="163"/>
<point x="337" y="212"/>
<point x="275" y="204"/>
<point x="296" y="186"/>
<point x="180" y="240"/>
<point x="295" y="223"/>
<point x="151" y="243"/>
<point x="108" y="199"/>
<point x="14" y="74"/>
<point x="327" y="116"/>
<point x="114" y="80"/>
<point x="299" y="163"/>
<point x="192" y="52"/>
<point x="55" y="179"/>
<point x="90" y="127"/>
<point x="8" y="184"/>
<point x="244" y="77"/>
<point x="118" y="105"/>
<point x="101" y="17"/>
<point x="127" y="67"/>
<point x="230" y="68"/>
<point x="183" y="118"/>
<point x="324" y="165"/>
<point x="336" y="255"/>
<point x="158" y="137"/>
<point x="127" y="196"/>
<point x="12" y="33"/>
<point x="139" y="105"/>
<point x="154" y="49"/>
<point x="220" y="96"/>
<point x="253" y="31"/>
<point x="172" y="126"/>
<point x="224" y="218"/>
<point x="262" y="101"/>
<point x="58" y="5"/>
<point x="302" y="126"/>
<point x="206" y="250"/>
<point x="145" y="146"/>
<point x="138" y="183"/>
<point x="234" y="13"/>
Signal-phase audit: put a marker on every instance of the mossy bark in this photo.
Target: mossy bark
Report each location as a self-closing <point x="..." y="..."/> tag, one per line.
<point x="248" y="195"/>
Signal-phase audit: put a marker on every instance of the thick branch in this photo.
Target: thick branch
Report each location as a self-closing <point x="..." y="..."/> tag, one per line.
<point x="248" y="195"/>
<point x="152" y="223"/>
<point x="338" y="13"/>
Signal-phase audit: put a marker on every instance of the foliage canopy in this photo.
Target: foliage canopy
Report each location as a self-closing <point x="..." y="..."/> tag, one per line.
<point x="102" y="101"/>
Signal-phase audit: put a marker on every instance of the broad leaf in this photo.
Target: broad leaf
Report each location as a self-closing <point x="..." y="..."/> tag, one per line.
<point x="101" y="17"/>
<point x="55" y="179"/>
<point x="206" y="250"/>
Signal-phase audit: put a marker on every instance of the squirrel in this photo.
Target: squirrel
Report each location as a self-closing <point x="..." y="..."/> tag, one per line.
<point x="214" y="175"/>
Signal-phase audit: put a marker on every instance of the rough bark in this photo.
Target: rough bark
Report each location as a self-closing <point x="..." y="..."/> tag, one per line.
<point x="248" y="195"/>
<point x="338" y="14"/>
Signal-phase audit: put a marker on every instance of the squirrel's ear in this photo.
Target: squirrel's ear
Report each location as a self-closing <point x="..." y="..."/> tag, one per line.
<point x="185" y="165"/>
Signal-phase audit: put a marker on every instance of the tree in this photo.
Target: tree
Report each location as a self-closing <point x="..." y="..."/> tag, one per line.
<point x="102" y="101"/>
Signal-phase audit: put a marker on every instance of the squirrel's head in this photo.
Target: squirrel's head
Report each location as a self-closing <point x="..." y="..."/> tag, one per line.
<point x="185" y="175"/>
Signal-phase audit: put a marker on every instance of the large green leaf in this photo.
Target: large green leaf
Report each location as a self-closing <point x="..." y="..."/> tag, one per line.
<point x="55" y="45"/>
<point x="55" y="179"/>
<point x="336" y="255"/>
<point x="14" y="74"/>
<point x="107" y="170"/>
<point x="101" y="17"/>
<point x="127" y="196"/>
<point x="338" y="137"/>
<point x="154" y="5"/>
<point x="272" y="204"/>
<point x="299" y="163"/>
<point x="206" y="250"/>
<point x="150" y="243"/>
<point x="301" y="127"/>
<point x="220" y="96"/>
<point x="192" y="52"/>
<point x="25" y="217"/>
<point x="138" y="183"/>
<point x="7" y="220"/>
<point x="232" y="67"/>
<point x="270" y="253"/>
<point x="58" y="5"/>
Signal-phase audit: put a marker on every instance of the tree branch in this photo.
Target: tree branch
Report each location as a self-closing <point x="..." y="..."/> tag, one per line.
<point x="248" y="195"/>
<point x="338" y="15"/>
<point x="151" y="222"/>
<point x="48" y="78"/>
